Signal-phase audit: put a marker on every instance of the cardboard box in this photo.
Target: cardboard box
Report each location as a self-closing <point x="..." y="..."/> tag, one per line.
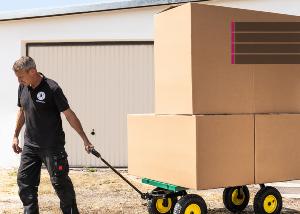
<point x="198" y="152"/>
<point x="194" y="73"/>
<point x="277" y="146"/>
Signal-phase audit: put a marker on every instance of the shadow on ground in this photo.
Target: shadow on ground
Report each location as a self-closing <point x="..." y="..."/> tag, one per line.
<point x="249" y="210"/>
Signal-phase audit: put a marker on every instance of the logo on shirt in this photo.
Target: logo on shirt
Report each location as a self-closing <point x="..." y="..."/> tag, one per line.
<point x="41" y="96"/>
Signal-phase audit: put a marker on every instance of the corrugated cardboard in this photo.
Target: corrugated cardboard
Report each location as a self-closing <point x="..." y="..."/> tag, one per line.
<point x="193" y="70"/>
<point x="198" y="152"/>
<point x="277" y="146"/>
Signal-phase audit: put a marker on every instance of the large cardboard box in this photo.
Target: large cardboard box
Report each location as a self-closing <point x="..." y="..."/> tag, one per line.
<point x="193" y="151"/>
<point x="194" y="73"/>
<point x="277" y="147"/>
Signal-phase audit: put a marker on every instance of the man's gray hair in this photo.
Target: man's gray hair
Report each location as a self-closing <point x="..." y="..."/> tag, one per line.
<point x="25" y="63"/>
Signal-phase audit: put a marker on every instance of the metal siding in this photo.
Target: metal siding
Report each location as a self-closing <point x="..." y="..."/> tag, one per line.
<point x="103" y="84"/>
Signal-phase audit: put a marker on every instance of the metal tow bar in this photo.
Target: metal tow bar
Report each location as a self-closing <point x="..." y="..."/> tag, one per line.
<point x="143" y="195"/>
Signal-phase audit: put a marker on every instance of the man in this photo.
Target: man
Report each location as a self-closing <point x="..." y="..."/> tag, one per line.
<point x="41" y="101"/>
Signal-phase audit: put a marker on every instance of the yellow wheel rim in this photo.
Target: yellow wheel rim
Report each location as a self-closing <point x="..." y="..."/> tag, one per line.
<point x="193" y="208"/>
<point x="161" y="208"/>
<point x="270" y="204"/>
<point x="234" y="197"/>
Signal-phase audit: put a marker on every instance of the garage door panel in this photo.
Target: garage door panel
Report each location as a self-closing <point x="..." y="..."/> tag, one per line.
<point x="103" y="83"/>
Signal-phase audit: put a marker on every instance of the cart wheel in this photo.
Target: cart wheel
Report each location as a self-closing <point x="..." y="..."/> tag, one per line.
<point x="190" y="204"/>
<point x="268" y="200"/>
<point x="235" y="201"/>
<point x="159" y="205"/>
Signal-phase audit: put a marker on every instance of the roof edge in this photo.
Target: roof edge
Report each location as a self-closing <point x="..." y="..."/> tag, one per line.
<point x="90" y="8"/>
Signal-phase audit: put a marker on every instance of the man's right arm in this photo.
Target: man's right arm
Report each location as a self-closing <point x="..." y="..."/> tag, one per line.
<point x="19" y="124"/>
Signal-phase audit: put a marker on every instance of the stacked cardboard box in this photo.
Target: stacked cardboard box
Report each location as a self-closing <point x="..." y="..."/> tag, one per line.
<point x="194" y="151"/>
<point x="212" y="125"/>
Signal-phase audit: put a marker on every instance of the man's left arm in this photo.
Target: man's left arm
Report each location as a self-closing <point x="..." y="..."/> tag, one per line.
<point x="76" y="125"/>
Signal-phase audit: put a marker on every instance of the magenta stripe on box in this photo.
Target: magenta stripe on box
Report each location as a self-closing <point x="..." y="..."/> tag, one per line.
<point x="232" y="43"/>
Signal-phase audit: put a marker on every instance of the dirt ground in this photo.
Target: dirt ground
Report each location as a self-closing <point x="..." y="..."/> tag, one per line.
<point x="102" y="191"/>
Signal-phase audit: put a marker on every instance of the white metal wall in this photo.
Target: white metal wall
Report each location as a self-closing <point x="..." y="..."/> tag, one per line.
<point x="103" y="83"/>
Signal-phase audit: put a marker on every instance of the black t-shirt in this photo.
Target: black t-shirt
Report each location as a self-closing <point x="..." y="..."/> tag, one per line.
<point x="42" y="107"/>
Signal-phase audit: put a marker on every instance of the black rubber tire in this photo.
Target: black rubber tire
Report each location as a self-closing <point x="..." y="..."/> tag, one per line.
<point x="229" y="204"/>
<point x="187" y="200"/>
<point x="152" y="209"/>
<point x="260" y="197"/>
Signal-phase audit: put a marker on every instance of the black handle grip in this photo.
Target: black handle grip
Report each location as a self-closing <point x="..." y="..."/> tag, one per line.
<point x="94" y="152"/>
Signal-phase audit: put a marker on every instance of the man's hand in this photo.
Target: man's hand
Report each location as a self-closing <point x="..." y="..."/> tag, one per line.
<point x="88" y="146"/>
<point x="15" y="145"/>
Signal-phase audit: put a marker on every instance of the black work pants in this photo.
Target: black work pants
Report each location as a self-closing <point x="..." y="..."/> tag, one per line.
<point x="29" y="173"/>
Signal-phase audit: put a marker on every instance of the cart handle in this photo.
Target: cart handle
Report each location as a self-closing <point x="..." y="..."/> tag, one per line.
<point x="143" y="195"/>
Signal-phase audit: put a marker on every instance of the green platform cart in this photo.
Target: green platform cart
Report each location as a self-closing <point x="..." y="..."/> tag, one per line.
<point x="167" y="198"/>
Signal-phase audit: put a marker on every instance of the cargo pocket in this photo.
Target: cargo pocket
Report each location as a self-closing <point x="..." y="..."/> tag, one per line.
<point x="61" y="165"/>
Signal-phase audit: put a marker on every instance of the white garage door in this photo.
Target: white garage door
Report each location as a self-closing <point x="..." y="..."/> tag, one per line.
<point x="103" y="83"/>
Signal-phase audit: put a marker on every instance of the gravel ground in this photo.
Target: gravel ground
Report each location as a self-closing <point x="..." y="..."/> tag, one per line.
<point x="102" y="191"/>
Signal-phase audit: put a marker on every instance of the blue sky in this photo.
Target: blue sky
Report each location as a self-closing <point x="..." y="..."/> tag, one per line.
<point x="28" y="4"/>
